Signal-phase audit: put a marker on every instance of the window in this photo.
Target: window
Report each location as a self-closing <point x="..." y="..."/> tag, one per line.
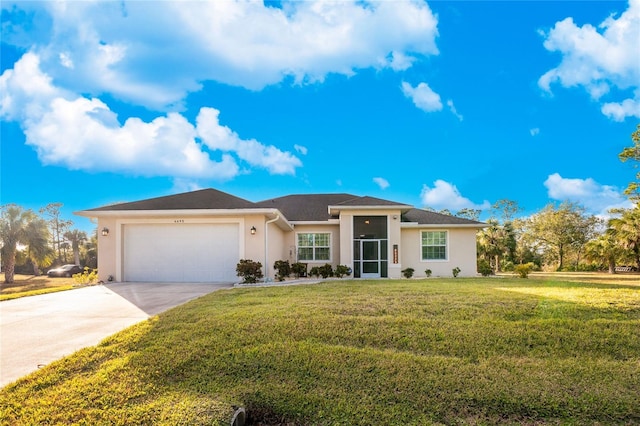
<point x="314" y="246"/>
<point x="434" y="245"/>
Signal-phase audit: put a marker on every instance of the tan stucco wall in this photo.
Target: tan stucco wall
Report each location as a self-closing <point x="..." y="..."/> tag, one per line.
<point x="394" y="237"/>
<point x="291" y="242"/>
<point x="282" y="243"/>
<point x="461" y="250"/>
<point x="107" y="250"/>
<point x="111" y="247"/>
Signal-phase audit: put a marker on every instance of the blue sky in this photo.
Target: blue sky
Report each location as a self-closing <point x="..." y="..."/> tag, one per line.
<point x="445" y="104"/>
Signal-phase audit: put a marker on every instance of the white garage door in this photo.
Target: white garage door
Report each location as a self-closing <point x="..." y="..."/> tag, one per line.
<point x="181" y="252"/>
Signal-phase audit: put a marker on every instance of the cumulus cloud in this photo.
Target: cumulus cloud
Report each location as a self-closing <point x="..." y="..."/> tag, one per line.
<point x="422" y="96"/>
<point x="85" y="134"/>
<point x="444" y="195"/>
<point x="599" y="59"/>
<point x="381" y="182"/>
<point x="593" y="196"/>
<point x="154" y="56"/>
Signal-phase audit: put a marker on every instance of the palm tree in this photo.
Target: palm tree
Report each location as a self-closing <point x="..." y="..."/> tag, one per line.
<point x="497" y="242"/>
<point x="13" y="223"/>
<point x="75" y="237"/>
<point x="626" y="230"/>
<point x="37" y="240"/>
<point x="604" y="249"/>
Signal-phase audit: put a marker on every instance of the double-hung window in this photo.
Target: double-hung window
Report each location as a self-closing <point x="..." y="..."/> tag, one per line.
<point x="314" y="246"/>
<point x="434" y="245"/>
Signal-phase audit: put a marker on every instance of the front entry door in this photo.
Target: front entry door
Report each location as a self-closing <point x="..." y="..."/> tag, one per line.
<point x="370" y="263"/>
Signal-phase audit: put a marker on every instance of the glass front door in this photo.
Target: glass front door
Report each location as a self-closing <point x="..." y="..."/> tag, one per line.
<point x="370" y="262"/>
<point x="370" y="246"/>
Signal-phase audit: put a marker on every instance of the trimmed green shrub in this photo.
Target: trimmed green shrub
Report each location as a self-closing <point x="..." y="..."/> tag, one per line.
<point x="284" y="269"/>
<point x="249" y="270"/>
<point x="299" y="269"/>
<point x="408" y="272"/>
<point x="325" y="270"/>
<point x="428" y="272"/>
<point x="342" y="270"/>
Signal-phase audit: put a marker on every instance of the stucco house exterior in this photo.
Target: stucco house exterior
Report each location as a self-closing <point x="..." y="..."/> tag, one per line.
<point x="200" y="236"/>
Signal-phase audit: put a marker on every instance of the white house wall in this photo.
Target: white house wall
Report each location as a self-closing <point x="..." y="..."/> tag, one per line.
<point x="461" y="252"/>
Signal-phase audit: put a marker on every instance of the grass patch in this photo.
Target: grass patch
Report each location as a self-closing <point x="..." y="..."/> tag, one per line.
<point x="416" y="352"/>
<point x="31" y="285"/>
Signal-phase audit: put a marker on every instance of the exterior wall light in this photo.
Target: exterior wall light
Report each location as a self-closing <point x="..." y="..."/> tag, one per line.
<point x="253" y="230"/>
<point x="105" y="231"/>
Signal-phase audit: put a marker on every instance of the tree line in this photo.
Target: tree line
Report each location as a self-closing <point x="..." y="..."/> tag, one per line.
<point x="33" y="241"/>
<point x="563" y="236"/>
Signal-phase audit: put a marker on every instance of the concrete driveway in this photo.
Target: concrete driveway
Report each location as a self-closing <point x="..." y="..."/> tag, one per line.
<point x="37" y="330"/>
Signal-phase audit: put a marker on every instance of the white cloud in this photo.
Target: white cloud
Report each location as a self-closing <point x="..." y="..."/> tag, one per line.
<point x="453" y="110"/>
<point x="618" y="111"/>
<point x="595" y="197"/>
<point x="300" y="149"/>
<point x="84" y="134"/>
<point x="599" y="59"/>
<point x="535" y="131"/>
<point x="155" y="53"/>
<point x="381" y="182"/>
<point x="444" y="195"/>
<point x="422" y="96"/>
<point x="400" y="62"/>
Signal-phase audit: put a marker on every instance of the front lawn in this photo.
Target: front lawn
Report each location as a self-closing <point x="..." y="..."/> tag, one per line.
<point x="405" y="352"/>
<point x="31" y="285"/>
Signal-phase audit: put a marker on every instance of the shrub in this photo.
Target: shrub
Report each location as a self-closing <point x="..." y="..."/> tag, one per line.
<point x="284" y="269"/>
<point x="484" y="267"/>
<point x="428" y="272"/>
<point x="507" y="265"/>
<point x="523" y="270"/>
<point x="249" y="270"/>
<point x="325" y="270"/>
<point x="299" y="269"/>
<point x="89" y="276"/>
<point x="408" y="272"/>
<point x="455" y="271"/>
<point x="342" y="270"/>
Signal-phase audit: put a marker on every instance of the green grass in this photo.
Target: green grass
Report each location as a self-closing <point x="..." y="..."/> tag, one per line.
<point x="416" y="352"/>
<point x="30" y="285"/>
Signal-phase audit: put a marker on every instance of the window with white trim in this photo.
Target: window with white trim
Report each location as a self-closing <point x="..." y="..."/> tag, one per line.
<point x="434" y="245"/>
<point x="314" y="246"/>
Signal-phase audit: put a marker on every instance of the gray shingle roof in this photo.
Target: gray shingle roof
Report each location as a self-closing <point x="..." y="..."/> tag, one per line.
<point x="425" y="217"/>
<point x="299" y="207"/>
<point x="306" y="207"/>
<point x="202" y="199"/>
<point x="369" y="201"/>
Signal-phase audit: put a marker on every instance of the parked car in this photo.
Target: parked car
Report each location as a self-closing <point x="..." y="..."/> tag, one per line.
<point x="65" y="271"/>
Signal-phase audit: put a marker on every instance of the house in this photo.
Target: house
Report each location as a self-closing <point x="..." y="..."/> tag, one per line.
<point x="200" y="236"/>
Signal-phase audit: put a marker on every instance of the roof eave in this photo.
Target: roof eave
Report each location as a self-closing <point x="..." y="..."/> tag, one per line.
<point x="316" y="222"/>
<point x="443" y="225"/>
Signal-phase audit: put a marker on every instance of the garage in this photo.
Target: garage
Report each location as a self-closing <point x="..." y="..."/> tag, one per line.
<point x="184" y="252"/>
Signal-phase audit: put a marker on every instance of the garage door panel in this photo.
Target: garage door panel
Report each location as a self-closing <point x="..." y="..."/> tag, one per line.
<point x="181" y="253"/>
